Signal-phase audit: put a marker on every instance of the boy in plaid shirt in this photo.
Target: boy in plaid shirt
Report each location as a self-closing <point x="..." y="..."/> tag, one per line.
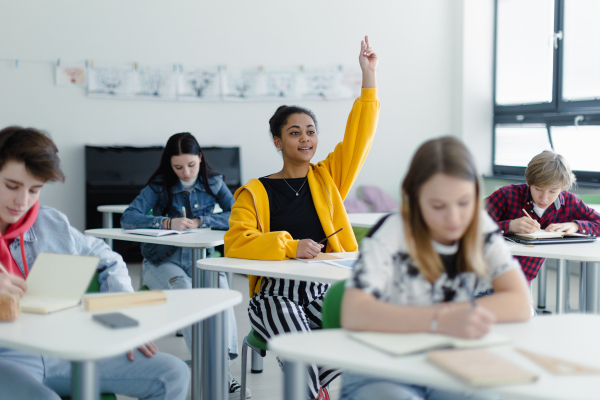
<point x="546" y="198"/>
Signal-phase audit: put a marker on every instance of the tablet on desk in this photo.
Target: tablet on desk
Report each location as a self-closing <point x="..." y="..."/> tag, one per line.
<point x="555" y="240"/>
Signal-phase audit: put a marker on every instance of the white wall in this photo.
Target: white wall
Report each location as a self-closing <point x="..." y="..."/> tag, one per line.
<point x="417" y="42"/>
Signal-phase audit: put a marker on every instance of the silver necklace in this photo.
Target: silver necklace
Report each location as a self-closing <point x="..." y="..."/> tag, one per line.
<point x="286" y="182"/>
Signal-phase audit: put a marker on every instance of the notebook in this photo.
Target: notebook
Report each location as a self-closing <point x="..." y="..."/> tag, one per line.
<point x="555" y="239"/>
<point x="57" y="281"/>
<point x="400" y="344"/>
<point x="320" y="258"/>
<point x="162" y="232"/>
<point x="480" y="367"/>
<point x="542" y="234"/>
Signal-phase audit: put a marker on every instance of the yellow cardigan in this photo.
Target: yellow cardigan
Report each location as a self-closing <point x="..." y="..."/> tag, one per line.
<point x="249" y="234"/>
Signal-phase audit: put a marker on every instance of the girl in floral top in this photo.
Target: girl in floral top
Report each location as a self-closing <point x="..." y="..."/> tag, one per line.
<point x="419" y="270"/>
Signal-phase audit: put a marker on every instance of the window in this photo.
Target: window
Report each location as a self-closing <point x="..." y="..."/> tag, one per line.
<point x="547" y="85"/>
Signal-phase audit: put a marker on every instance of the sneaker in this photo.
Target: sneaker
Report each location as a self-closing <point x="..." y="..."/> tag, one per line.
<point x="323" y="394"/>
<point x="235" y="388"/>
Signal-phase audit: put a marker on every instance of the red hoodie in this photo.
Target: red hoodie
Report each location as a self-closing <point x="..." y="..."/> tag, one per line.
<point x="17" y="230"/>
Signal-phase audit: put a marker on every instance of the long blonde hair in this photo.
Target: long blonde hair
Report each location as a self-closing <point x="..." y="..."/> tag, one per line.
<point x="449" y="156"/>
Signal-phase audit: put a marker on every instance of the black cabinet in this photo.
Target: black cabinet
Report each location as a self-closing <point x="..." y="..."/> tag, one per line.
<point x="117" y="174"/>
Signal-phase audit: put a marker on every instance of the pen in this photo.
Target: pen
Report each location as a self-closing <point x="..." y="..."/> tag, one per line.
<point x="3" y="269"/>
<point x="526" y="213"/>
<point x="183" y="210"/>
<point x="330" y="235"/>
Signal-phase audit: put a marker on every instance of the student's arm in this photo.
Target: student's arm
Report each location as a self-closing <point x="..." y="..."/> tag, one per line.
<point x="136" y="215"/>
<point x="225" y="200"/>
<point x="348" y="157"/>
<point x="496" y="205"/>
<point x="113" y="274"/>
<point x="584" y="219"/>
<point x="244" y="239"/>
<point x="12" y="284"/>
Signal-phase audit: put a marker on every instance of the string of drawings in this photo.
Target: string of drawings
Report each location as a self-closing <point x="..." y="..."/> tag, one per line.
<point x="211" y="84"/>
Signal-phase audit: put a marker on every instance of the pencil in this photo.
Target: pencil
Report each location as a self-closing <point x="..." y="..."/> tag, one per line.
<point x="330" y="235"/>
<point x="3" y="269"/>
<point x="526" y="213"/>
<point x="183" y="210"/>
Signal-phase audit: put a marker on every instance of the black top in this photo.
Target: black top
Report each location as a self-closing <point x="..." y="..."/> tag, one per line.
<point x="449" y="261"/>
<point x="296" y="215"/>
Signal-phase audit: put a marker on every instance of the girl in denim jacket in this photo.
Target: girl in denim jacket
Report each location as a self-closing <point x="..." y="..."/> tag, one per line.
<point x="183" y="180"/>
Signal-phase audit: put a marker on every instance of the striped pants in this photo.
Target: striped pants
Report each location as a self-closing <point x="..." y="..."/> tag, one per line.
<point x="285" y="305"/>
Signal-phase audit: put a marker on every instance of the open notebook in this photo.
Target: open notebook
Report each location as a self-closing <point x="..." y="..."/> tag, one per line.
<point x="542" y="234"/>
<point x="163" y="232"/>
<point x="400" y="344"/>
<point x="57" y="282"/>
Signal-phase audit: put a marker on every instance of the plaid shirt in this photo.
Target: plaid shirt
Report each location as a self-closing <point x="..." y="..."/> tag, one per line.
<point x="505" y="204"/>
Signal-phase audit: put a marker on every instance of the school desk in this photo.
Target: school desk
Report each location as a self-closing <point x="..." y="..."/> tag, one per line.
<point x="570" y="337"/>
<point x="198" y="242"/>
<point x="286" y="269"/>
<point x="588" y="254"/>
<point x="108" y="211"/>
<point x="73" y="335"/>
<point x="365" y="220"/>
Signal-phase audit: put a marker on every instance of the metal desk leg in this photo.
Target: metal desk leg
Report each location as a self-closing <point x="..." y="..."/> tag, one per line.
<point x="85" y="383"/>
<point x="196" y="369"/>
<point x="214" y="348"/>
<point x="107" y="222"/>
<point x="542" y="286"/>
<point x="592" y="288"/>
<point x="562" y="280"/>
<point x="582" y="288"/>
<point x="294" y="381"/>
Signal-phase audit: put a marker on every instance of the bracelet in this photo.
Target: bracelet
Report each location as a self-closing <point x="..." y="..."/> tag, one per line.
<point x="433" y="325"/>
<point x="169" y="223"/>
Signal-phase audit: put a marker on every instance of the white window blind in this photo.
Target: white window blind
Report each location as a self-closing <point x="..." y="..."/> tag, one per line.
<point x="579" y="145"/>
<point x="515" y="145"/>
<point x="524" y="51"/>
<point x="581" y="60"/>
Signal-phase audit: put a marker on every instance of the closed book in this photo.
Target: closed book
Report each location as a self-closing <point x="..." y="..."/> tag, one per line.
<point x="542" y="234"/>
<point x="124" y="300"/>
<point x="480" y="367"/>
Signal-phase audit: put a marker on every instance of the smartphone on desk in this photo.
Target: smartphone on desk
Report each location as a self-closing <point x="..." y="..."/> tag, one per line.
<point x="115" y="320"/>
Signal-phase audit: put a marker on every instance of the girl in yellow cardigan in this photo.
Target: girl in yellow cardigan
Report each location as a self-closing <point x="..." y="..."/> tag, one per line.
<point x="285" y="214"/>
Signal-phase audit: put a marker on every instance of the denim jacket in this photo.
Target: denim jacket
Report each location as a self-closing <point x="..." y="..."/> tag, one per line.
<point x="197" y="203"/>
<point x="52" y="233"/>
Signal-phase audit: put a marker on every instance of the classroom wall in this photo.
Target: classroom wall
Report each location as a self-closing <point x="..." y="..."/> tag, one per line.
<point x="429" y="84"/>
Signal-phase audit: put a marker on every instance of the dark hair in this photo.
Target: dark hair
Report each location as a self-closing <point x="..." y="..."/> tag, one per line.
<point x="178" y="144"/>
<point x="34" y="148"/>
<point x="279" y="119"/>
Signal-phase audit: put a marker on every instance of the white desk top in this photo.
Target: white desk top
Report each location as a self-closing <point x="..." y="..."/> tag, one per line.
<point x="287" y="269"/>
<point x="207" y="238"/>
<point x="120" y="208"/>
<point x="587" y="252"/>
<point x="73" y="335"/>
<point x="365" y="220"/>
<point x="115" y="208"/>
<point x="572" y="337"/>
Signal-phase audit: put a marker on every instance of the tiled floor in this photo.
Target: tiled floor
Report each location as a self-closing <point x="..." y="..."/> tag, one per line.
<point x="269" y="384"/>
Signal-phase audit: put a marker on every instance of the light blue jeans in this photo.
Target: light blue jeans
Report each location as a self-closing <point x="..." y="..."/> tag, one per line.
<point x="359" y="387"/>
<point x="34" y="377"/>
<point x="172" y="274"/>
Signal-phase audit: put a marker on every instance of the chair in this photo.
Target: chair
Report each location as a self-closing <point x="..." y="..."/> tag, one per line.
<point x="332" y="306"/>
<point x="259" y="347"/>
<point x="95" y="288"/>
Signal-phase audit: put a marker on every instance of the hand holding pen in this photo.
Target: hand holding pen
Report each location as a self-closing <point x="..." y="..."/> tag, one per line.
<point x="11" y="283"/>
<point x="308" y="248"/>
<point x="524" y="224"/>
<point x="181" y="224"/>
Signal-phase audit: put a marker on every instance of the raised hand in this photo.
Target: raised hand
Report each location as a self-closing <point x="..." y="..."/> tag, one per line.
<point x="368" y="64"/>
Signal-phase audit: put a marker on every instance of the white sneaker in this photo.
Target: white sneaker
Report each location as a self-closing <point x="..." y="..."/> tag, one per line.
<point x="235" y="388"/>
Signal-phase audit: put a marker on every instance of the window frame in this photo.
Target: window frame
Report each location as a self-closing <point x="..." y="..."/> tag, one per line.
<point x="555" y="113"/>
